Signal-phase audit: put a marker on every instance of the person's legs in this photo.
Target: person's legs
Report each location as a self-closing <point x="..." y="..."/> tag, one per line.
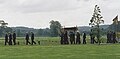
<point x="5" y="43"/>
<point x="14" y="41"/>
<point x="76" y="41"/>
<point x="84" y="41"/>
<point x="34" y="42"/>
<point x="26" y="42"/>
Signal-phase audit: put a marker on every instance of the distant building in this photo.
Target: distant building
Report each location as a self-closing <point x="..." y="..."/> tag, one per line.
<point x="69" y="29"/>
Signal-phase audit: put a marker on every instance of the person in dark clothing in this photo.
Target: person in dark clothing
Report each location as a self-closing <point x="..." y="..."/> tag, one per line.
<point x="111" y="37"/>
<point x="114" y="37"/>
<point x="108" y="37"/>
<point x="94" y="41"/>
<point x="6" y="39"/>
<point x="84" y="38"/>
<point x="72" y="37"/>
<point x="91" y="38"/>
<point x="10" y="39"/>
<point x="66" y="38"/>
<point x="14" y="38"/>
<point x="62" y="38"/>
<point x="27" y="39"/>
<point x="32" y="38"/>
<point x="78" y="38"/>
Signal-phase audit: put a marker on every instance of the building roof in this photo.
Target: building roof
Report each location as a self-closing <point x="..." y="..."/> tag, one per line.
<point x="70" y="28"/>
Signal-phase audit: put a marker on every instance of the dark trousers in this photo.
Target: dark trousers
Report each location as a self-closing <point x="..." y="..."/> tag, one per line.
<point x="27" y="42"/>
<point x="84" y="41"/>
<point x="14" y="41"/>
<point x="114" y="40"/>
<point x="93" y="40"/>
<point x="72" y="41"/>
<point x="62" y="41"/>
<point x="6" y="41"/>
<point x="108" y="40"/>
<point x="10" y="42"/>
<point x="78" y="41"/>
<point x="66" y="41"/>
<point x="33" y="42"/>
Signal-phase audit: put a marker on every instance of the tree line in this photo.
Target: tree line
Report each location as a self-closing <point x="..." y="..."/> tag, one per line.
<point x="47" y="32"/>
<point x="53" y="31"/>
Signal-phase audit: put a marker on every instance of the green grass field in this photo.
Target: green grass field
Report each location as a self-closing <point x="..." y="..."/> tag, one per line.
<point x="51" y="49"/>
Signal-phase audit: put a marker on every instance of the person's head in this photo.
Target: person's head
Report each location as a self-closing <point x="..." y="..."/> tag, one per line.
<point x="91" y="30"/>
<point x="113" y="32"/>
<point x="65" y="32"/>
<point x="77" y="31"/>
<point x="26" y="32"/>
<point x="71" y="32"/>
<point x="108" y="31"/>
<point x="9" y="32"/>
<point x="13" y="31"/>
<point x="6" y="32"/>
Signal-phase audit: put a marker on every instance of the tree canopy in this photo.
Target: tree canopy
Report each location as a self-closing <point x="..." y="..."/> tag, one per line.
<point x="55" y="26"/>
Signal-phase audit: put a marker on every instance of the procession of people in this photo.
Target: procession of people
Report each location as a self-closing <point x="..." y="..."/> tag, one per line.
<point x="10" y="38"/>
<point x="70" y="37"/>
<point x="75" y="37"/>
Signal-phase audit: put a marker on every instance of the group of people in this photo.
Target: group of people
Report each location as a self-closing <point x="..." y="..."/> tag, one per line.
<point x="111" y="37"/>
<point x="32" y="39"/>
<point x="66" y="38"/>
<point x="10" y="38"/>
<point x="72" y="38"/>
<point x="92" y="37"/>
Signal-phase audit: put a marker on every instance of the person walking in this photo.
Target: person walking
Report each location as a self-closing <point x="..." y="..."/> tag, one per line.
<point x="10" y="39"/>
<point x="114" y="37"/>
<point x="66" y="38"/>
<point x="84" y="38"/>
<point x="6" y="38"/>
<point x="14" y="38"/>
<point x="32" y="38"/>
<point x="91" y="37"/>
<point x="27" y="39"/>
<point x="62" y="38"/>
<point x="72" y="37"/>
<point x="78" y="38"/>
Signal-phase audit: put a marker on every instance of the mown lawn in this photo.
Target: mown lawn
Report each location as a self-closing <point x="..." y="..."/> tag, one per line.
<point x="109" y="51"/>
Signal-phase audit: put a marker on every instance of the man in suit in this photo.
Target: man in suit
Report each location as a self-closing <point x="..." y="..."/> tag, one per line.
<point x="27" y="39"/>
<point x="10" y="39"/>
<point x="14" y="38"/>
<point x="78" y="38"/>
<point x="66" y="37"/>
<point x="84" y="38"/>
<point x="6" y="38"/>
<point x="32" y="38"/>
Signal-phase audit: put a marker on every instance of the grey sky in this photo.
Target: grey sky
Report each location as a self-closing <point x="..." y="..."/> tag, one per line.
<point x="38" y="13"/>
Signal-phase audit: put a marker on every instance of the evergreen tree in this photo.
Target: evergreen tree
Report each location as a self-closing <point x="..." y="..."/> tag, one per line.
<point x="96" y="21"/>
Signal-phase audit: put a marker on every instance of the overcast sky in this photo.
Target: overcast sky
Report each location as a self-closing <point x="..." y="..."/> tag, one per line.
<point x="38" y="13"/>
